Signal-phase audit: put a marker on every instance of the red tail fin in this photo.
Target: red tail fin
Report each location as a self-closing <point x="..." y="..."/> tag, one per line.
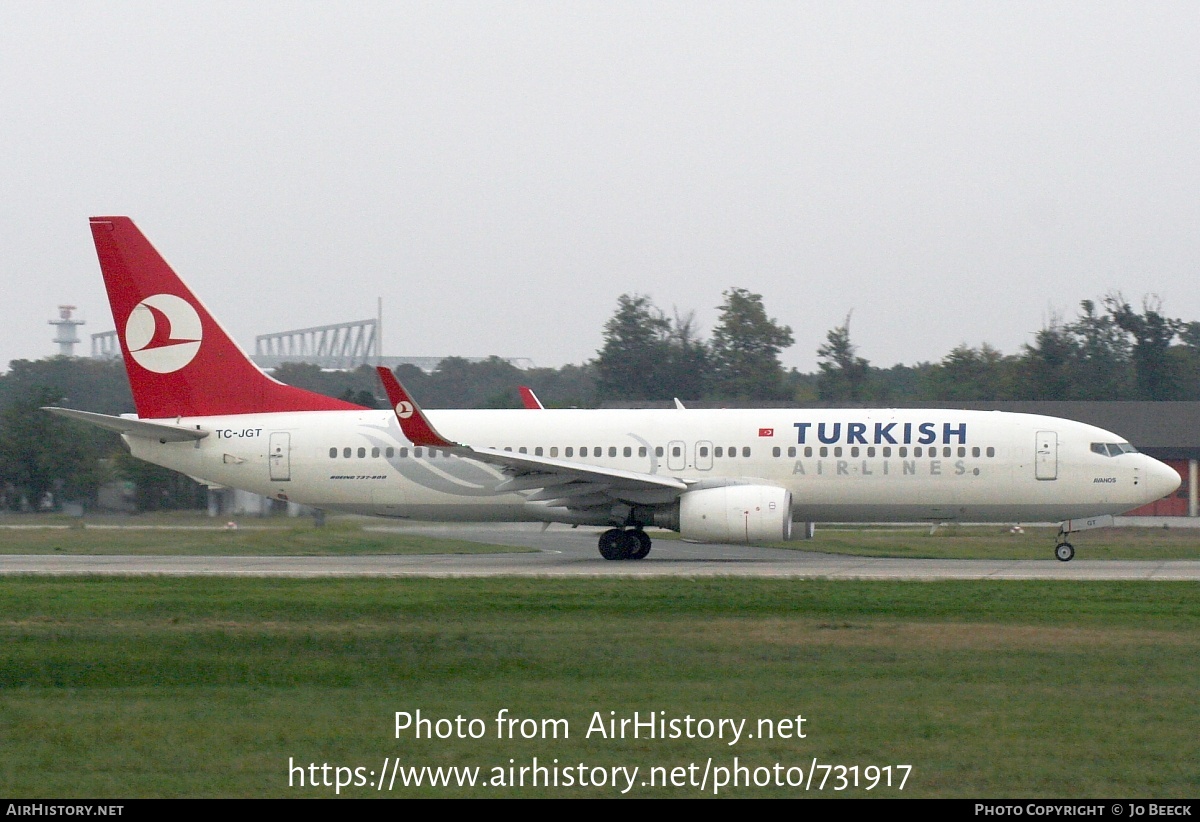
<point x="179" y="360"/>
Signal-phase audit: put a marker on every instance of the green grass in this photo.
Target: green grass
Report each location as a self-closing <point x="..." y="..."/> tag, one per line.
<point x="206" y="687"/>
<point x="197" y="536"/>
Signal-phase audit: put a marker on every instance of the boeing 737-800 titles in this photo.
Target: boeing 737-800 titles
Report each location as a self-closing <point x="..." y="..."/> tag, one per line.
<point x="731" y="476"/>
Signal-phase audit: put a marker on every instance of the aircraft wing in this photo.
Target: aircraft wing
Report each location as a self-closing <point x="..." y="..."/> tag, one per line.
<point x="555" y="482"/>
<point x="161" y="431"/>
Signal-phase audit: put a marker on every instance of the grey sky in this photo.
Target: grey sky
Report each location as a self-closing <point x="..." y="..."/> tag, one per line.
<point x="500" y="172"/>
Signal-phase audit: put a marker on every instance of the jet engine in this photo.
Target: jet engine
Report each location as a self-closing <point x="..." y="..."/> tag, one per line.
<point x="736" y="513"/>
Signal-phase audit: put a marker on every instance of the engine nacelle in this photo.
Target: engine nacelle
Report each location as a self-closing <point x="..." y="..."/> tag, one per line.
<point x="736" y="513"/>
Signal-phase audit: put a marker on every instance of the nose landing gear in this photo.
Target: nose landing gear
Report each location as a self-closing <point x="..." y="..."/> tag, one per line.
<point x="619" y="544"/>
<point x="1064" y="551"/>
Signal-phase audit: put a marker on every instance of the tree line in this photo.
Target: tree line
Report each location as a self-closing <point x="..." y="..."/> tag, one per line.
<point x="1109" y="351"/>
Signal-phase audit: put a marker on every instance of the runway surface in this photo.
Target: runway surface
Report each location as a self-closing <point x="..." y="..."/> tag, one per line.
<point x="563" y="552"/>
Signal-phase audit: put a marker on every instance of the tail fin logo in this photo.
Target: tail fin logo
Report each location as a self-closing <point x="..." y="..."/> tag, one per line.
<point x="163" y="333"/>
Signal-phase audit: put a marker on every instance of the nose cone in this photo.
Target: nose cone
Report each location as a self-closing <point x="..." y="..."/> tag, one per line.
<point x="1160" y="479"/>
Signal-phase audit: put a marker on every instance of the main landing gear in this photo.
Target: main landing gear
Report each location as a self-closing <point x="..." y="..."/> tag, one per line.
<point x="618" y="544"/>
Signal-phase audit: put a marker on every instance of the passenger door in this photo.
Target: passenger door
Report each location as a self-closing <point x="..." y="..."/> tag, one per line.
<point x="1047" y="455"/>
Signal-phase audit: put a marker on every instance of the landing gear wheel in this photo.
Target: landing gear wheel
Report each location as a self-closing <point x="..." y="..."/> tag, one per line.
<point x="1064" y="551"/>
<point x="613" y="544"/>
<point x="643" y="544"/>
<point x="630" y="544"/>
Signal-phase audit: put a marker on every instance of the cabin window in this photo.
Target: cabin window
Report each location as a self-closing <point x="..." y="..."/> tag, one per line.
<point x="824" y="452"/>
<point x="776" y="451"/>
<point x="702" y="451"/>
<point x="947" y="451"/>
<point x="569" y="451"/>
<point x="792" y="451"/>
<point x="597" y="451"/>
<point x="641" y="451"/>
<point x="676" y="451"/>
<point x="432" y="453"/>
<point x="808" y="451"/>
<point x="975" y="451"/>
<point x="854" y="451"/>
<point x="391" y="452"/>
<point x="628" y="451"/>
<point x="346" y="453"/>
<point x="658" y="451"/>
<point x="333" y="453"/>
<point x="522" y="450"/>
<point x="612" y="450"/>
<point x="887" y="450"/>
<point x="745" y="450"/>
<point x="537" y="452"/>
<point x="418" y="453"/>
<point x="404" y="453"/>
<point x="554" y="450"/>
<point x="375" y="452"/>
<point x="870" y="450"/>
<point x="991" y="452"/>
<point x="903" y="451"/>
<point x="916" y="451"/>
<point x="837" y="450"/>
<point x="718" y="451"/>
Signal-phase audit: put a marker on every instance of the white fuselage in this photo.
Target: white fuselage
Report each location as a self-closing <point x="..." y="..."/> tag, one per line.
<point x="839" y="465"/>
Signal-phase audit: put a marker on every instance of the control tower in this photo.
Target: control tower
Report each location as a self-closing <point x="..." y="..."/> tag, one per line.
<point x="66" y="337"/>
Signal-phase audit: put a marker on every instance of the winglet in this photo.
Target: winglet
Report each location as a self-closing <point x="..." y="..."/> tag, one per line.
<point x="529" y="399"/>
<point x="413" y="421"/>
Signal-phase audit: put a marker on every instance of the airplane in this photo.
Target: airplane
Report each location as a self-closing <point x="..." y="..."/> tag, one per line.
<point x="734" y="476"/>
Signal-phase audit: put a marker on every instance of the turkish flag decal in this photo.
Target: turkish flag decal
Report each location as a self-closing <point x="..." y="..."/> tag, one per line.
<point x="766" y="432"/>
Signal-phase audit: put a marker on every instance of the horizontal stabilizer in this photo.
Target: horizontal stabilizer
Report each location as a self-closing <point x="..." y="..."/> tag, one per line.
<point x="161" y="431"/>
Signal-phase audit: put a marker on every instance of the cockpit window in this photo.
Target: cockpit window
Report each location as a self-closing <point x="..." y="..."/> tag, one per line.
<point x="1112" y="449"/>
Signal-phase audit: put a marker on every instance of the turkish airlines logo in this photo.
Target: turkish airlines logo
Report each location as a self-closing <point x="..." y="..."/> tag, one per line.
<point x="163" y="333"/>
<point x="404" y="410"/>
